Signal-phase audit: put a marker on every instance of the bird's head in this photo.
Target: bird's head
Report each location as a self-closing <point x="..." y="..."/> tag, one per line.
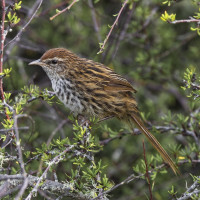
<point x="56" y="60"/>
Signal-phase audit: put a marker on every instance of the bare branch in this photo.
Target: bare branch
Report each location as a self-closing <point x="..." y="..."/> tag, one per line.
<point x="194" y="189"/>
<point x="17" y="37"/>
<point x="11" y="129"/>
<point x="25" y="183"/>
<point x="52" y="187"/>
<point x="64" y="10"/>
<point x="62" y="123"/>
<point x="184" y="21"/>
<point x="162" y="129"/>
<point x="7" y="189"/>
<point x="94" y="19"/>
<point x="132" y="177"/>
<point x="112" y="27"/>
<point x="147" y="172"/>
<point x="54" y="161"/>
<point x="3" y="37"/>
<point x="122" y="34"/>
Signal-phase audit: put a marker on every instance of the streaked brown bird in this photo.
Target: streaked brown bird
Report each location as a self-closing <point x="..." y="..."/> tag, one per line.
<point x="92" y="89"/>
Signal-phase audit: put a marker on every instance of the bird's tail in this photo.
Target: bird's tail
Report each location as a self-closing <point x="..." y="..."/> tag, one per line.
<point x="155" y="143"/>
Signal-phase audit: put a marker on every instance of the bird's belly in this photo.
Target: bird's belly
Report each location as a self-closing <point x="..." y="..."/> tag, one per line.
<point x="69" y="96"/>
<point x="71" y="101"/>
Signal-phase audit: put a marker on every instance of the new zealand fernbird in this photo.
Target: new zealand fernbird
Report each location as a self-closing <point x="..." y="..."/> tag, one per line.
<point x="92" y="89"/>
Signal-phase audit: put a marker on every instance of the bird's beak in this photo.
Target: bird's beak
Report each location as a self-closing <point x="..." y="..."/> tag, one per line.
<point x="36" y="62"/>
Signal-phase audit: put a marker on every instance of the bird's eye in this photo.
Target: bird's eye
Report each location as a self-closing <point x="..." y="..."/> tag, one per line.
<point x="54" y="62"/>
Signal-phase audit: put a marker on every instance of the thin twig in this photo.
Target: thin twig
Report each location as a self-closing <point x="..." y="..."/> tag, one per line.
<point x="25" y="183"/>
<point x="184" y="132"/>
<point x="7" y="142"/>
<point x="94" y="19"/>
<point x="3" y="37"/>
<point x="112" y="27"/>
<point x="129" y="36"/>
<point x="11" y="129"/>
<point x="62" y="11"/>
<point x="178" y="46"/>
<point x="54" y="161"/>
<point x="191" y="191"/>
<point x="10" y="134"/>
<point x="33" y="158"/>
<point x="6" y="190"/>
<point x="132" y="177"/>
<point x="51" y="94"/>
<point x="62" y="123"/>
<point x="162" y="129"/>
<point x="184" y="21"/>
<point x="53" y="187"/>
<point x="147" y="173"/>
<point x="53" y="7"/>
<point x="64" y="189"/>
<point x="123" y="32"/>
<point x="2" y="46"/>
<point x="43" y="194"/>
<point x="17" y="37"/>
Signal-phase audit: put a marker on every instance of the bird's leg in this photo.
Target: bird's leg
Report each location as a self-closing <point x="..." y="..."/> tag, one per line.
<point x="82" y="121"/>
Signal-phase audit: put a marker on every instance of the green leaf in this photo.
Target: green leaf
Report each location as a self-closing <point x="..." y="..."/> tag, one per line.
<point x="17" y="6"/>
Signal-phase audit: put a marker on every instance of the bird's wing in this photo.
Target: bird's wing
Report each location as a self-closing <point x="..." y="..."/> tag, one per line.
<point x="115" y="82"/>
<point x="98" y="74"/>
<point x="118" y="83"/>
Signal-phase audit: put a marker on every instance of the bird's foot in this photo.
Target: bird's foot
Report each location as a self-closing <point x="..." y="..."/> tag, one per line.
<point x="82" y="121"/>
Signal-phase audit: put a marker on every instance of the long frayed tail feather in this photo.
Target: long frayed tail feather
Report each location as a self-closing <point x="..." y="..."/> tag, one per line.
<point x="155" y="143"/>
